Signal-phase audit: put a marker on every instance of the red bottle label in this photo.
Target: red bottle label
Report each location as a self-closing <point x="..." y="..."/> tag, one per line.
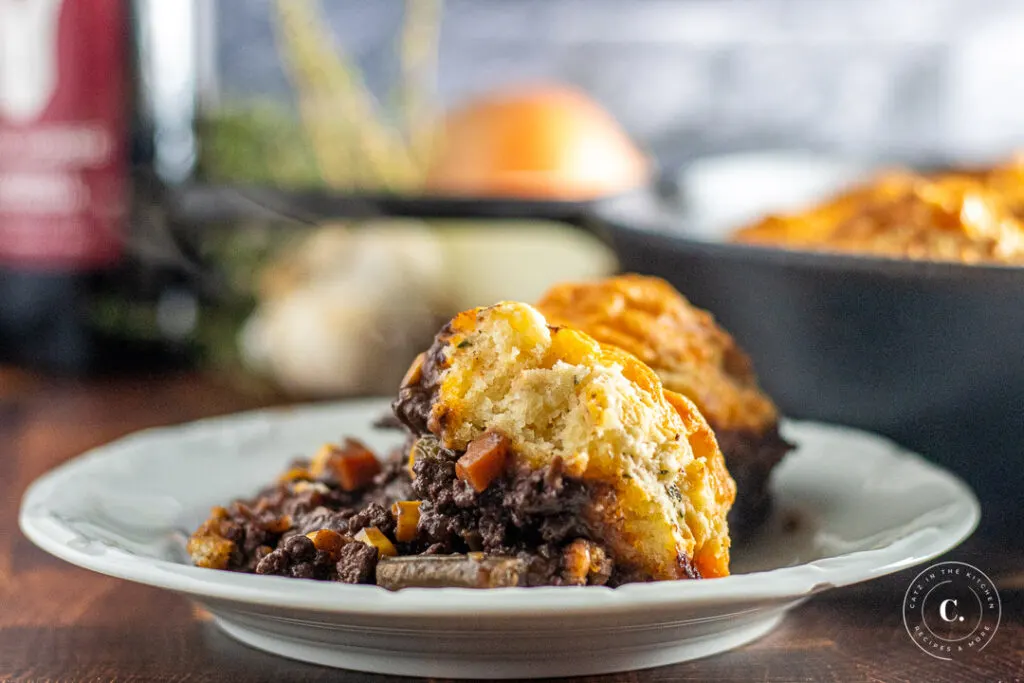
<point x="63" y="165"/>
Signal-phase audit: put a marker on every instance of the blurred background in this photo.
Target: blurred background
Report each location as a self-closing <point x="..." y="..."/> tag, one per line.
<point x="159" y="160"/>
<point x="686" y="78"/>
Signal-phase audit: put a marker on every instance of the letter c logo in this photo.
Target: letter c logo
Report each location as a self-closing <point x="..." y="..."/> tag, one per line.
<point x="943" y="612"/>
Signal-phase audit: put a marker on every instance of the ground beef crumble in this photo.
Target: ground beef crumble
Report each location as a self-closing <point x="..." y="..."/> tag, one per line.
<point x="267" y="533"/>
<point x="358" y="564"/>
<point x="527" y="514"/>
<point x="538" y="517"/>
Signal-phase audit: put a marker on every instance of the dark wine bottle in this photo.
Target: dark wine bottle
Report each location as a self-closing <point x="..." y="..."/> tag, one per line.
<point x="77" y="185"/>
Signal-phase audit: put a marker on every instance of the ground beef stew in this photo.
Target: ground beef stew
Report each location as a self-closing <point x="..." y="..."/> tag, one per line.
<point x="525" y="528"/>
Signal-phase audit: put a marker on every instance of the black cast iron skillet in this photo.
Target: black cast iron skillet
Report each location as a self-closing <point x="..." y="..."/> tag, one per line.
<point x="928" y="354"/>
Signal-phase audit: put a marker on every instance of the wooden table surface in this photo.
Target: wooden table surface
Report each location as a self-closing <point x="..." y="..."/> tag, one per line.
<point x="61" y="623"/>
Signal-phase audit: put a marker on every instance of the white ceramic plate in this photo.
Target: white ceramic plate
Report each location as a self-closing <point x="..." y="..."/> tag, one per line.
<point x="862" y="506"/>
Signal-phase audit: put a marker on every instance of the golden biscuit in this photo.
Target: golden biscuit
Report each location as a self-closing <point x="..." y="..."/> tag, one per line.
<point x="694" y="357"/>
<point x="659" y="489"/>
<point x="691" y="354"/>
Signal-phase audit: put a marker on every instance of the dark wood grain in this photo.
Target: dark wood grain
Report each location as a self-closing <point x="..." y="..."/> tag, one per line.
<point x="61" y="623"/>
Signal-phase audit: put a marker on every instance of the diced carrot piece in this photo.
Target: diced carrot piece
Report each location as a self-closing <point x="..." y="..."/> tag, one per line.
<point x="355" y="469"/>
<point x="327" y="540"/>
<point x="483" y="461"/>
<point x="375" y="538"/>
<point x="353" y="464"/>
<point x="407" y="519"/>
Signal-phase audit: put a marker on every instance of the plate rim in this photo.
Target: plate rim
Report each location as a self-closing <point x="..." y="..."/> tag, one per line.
<point x="787" y="583"/>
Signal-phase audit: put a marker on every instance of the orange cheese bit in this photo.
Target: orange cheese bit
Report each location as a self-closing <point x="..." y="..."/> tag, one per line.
<point x="375" y="538"/>
<point x="407" y="519"/>
<point x="295" y="474"/>
<point x="483" y="461"/>
<point x="411" y="461"/>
